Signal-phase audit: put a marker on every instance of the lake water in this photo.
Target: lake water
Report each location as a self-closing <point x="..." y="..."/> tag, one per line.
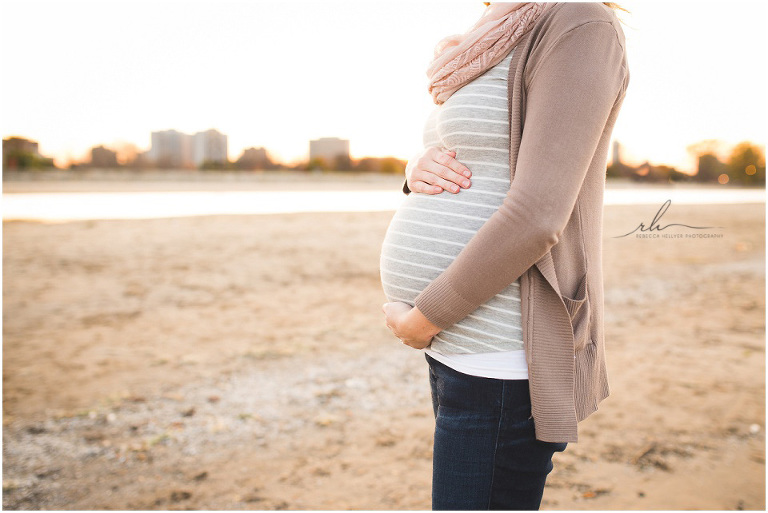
<point x="73" y="206"/>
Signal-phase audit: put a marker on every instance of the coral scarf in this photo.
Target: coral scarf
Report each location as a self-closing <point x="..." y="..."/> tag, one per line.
<point x="462" y="57"/>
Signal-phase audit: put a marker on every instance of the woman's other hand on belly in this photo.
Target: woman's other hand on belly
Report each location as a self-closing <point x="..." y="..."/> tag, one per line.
<point x="435" y="170"/>
<point x="409" y="325"/>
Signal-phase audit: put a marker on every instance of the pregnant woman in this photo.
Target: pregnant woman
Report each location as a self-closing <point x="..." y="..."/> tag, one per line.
<point x="500" y="281"/>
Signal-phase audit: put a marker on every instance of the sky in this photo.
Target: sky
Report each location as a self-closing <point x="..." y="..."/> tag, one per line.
<point x="277" y="74"/>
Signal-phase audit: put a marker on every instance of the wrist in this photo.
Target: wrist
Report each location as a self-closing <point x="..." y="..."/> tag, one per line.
<point x="421" y="324"/>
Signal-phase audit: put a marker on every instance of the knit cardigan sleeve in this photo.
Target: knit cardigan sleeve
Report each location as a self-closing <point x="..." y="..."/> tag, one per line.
<point x="570" y="95"/>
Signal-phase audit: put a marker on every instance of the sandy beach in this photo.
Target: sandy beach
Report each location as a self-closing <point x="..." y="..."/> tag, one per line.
<point x="242" y="362"/>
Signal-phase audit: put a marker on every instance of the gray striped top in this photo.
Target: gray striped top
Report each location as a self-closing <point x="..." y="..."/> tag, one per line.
<point x="429" y="230"/>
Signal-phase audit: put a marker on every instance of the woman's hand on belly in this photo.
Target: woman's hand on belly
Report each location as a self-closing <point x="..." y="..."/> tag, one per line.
<point x="433" y="170"/>
<point x="409" y="324"/>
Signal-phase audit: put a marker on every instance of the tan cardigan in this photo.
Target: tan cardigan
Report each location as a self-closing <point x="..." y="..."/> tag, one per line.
<point x="567" y="81"/>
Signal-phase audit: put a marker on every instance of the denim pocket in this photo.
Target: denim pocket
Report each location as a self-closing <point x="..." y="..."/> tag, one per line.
<point x="579" y="312"/>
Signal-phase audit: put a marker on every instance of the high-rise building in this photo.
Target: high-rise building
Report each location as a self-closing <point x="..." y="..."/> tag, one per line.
<point x="616" y="158"/>
<point x="330" y="149"/>
<point x="103" y="157"/>
<point x="20" y="144"/>
<point x="172" y="149"/>
<point x="209" y="146"/>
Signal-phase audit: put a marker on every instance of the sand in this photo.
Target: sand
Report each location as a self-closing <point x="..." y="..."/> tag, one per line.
<point x="242" y="362"/>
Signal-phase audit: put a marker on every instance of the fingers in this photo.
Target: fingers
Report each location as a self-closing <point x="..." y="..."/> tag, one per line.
<point x="386" y="316"/>
<point x="424" y="187"/>
<point x="437" y="170"/>
<point x="460" y="172"/>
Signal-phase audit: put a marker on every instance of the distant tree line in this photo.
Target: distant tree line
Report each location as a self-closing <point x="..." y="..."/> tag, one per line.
<point x="389" y="165"/>
<point x="744" y="165"/>
<point x="342" y="163"/>
<point x="19" y="159"/>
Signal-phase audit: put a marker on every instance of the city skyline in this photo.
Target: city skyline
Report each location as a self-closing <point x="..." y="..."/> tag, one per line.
<point x="345" y="76"/>
<point x="173" y="148"/>
<point x="187" y="153"/>
<point x="743" y="164"/>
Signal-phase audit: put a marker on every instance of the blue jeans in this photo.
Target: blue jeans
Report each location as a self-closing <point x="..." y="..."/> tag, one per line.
<point x="486" y="455"/>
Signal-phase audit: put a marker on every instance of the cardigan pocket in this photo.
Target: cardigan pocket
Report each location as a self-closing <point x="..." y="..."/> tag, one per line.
<point x="579" y="313"/>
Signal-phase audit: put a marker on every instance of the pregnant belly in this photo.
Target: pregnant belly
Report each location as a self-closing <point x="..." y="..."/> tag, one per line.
<point x="424" y="236"/>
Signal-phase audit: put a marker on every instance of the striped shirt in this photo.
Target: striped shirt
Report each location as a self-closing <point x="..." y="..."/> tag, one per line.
<point x="429" y="230"/>
<point x="568" y="80"/>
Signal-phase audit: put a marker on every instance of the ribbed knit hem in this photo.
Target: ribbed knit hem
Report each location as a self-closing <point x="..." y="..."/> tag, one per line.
<point x="441" y="304"/>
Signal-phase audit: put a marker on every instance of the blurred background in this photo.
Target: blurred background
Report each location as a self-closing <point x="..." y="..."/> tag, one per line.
<point x="248" y="85"/>
<point x="194" y="200"/>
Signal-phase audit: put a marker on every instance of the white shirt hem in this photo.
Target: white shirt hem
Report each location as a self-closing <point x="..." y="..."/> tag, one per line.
<point x="497" y="365"/>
